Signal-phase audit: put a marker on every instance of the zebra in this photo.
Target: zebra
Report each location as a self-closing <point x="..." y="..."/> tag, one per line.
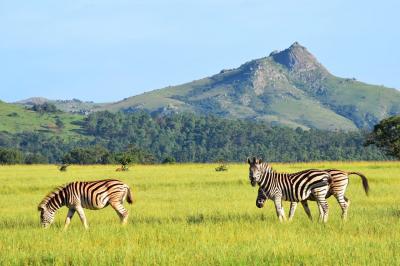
<point x="290" y="187"/>
<point x="93" y="195"/>
<point x="340" y="180"/>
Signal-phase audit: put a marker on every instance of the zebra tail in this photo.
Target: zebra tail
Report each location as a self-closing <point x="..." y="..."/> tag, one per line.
<point x="364" y="181"/>
<point x="129" y="197"/>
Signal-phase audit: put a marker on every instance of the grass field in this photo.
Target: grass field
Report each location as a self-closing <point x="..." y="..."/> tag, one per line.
<point x="191" y="215"/>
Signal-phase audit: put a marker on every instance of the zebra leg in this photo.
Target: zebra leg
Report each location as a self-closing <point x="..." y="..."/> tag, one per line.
<point x="292" y="210"/>
<point x="344" y="204"/>
<point x="321" y="211"/>
<point x="69" y="217"/>
<point x="319" y="194"/>
<point x="121" y="211"/>
<point x="306" y="209"/>
<point x="279" y="209"/>
<point x="323" y="208"/>
<point x="81" y="214"/>
<point x="348" y="204"/>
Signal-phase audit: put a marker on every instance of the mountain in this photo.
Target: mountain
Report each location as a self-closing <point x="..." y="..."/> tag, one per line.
<point x="16" y="119"/>
<point x="288" y="88"/>
<point x="72" y="106"/>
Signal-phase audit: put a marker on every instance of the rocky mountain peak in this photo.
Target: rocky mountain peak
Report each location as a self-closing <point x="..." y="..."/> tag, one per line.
<point x="297" y="58"/>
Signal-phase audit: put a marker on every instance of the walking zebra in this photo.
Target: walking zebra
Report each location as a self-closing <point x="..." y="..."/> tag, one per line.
<point x="340" y="180"/>
<point x="290" y="187"/>
<point x="90" y="195"/>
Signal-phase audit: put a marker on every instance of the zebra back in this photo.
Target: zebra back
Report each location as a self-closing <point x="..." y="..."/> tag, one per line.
<point x="295" y="186"/>
<point x="91" y="194"/>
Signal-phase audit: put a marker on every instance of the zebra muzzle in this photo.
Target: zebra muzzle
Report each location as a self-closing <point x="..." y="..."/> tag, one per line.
<point x="260" y="203"/>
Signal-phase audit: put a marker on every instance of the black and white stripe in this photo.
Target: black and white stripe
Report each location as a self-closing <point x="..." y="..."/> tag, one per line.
<point x="290" y="187"/>
<point x="340" y="180"/>
<point x="93" y="195"/>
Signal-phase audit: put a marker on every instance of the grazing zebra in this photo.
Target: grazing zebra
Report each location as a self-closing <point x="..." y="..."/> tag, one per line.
<point x="340" y="180"/>
<point x="90" y="195"/>
<point x="290" y="187"/>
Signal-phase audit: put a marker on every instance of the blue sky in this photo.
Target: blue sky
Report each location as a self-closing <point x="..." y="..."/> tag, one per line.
<point x="108" y="50"/>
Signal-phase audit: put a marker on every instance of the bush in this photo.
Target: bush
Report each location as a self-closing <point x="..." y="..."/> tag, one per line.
<point x="44" y="108"/>
<point x="90" y="155"/>
<point x="134" y="155"/>
<point x="35" y="158"/>
<point x="169" y="160"/>
<point x="63" y="167"/>
<point x="222" y="167"/>
<point x="11" y="156"/>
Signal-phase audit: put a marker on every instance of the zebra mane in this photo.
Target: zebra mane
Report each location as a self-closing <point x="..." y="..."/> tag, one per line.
<point x="268" y="166"/>
<point x="50" y="196"/>
<point x="286" y="173"/>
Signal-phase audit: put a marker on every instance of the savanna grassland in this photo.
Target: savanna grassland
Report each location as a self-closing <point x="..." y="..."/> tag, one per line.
<point x="189" y="214"/>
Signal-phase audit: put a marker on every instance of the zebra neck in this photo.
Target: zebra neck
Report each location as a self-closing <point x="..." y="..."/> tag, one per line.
<point x="265" y="180"/>
<point x="52" y="208"/>
<point x="268" y="176"/>
<point x="272" y="173"/>
<point x="56" y="202"/>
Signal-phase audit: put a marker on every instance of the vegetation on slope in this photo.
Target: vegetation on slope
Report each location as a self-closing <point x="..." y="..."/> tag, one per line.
<point x="189" y="138"/>
<point x="16" y="119"/>
<point x="74" y="106"/>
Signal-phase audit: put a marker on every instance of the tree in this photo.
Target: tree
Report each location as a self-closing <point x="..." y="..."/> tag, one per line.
<point x="44" y="108"/>
<point x="134" y="155"/>
<point x="59" y="123"/>
<point x="386" y="135"/>
<point x="169" y="160"/>
<point x="90" y="155"/>
<point x="124" y="159"/>
<point x="10" y="156"/>
<point x="35" y="158"/>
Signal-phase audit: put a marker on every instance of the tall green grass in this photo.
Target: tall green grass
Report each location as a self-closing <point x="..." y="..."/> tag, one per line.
<point x="189" y="214"/>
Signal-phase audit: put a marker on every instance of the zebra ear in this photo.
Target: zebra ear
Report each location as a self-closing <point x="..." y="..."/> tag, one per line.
<point x="260" y="160"/>
<point x="248" y="160"/>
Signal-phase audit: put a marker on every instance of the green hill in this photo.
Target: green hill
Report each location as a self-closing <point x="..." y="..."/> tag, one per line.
<point x="74" y="106"/>
<point x="286" y="88"/>
<point x="16" y="118"/>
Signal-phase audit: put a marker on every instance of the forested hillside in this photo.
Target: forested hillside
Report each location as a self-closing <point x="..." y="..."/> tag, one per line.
<point x="185" y="138"/>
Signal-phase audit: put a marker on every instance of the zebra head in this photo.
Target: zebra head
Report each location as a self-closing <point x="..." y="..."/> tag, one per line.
<point x="261" y="198"/>
<point x="255" y="170"/>
<point x="46" y="216"/>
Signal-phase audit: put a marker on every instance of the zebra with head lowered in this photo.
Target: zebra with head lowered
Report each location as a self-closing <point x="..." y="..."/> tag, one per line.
<point x="290" y="187"/>
<point x="93" y="195"/>
<point x="340" y="180"/>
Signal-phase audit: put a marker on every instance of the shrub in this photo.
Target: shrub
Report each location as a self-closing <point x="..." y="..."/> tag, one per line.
<point x="11" y="156"/>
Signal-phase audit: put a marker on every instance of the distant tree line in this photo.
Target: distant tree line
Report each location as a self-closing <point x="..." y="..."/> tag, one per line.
<point x="143" y="138"/>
